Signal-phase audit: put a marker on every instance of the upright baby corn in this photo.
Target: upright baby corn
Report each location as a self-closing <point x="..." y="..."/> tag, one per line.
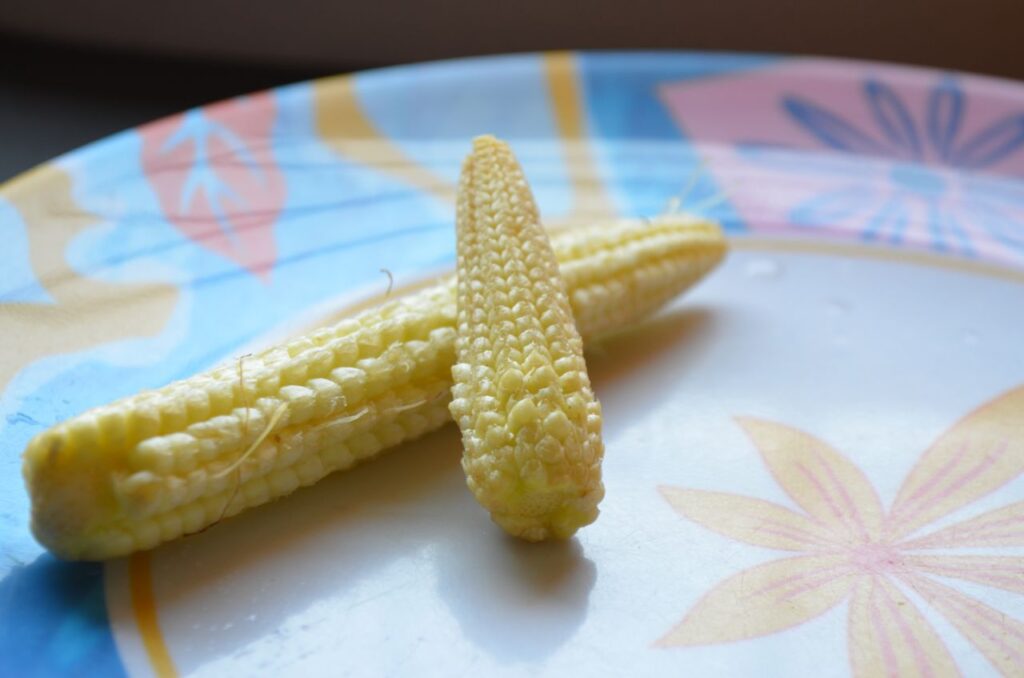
<point x="154" y="466"/>
<point x="530" y="423"/>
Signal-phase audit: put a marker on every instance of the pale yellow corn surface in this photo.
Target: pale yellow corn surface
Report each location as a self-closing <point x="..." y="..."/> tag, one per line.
<point x="152" y="467"/>
<point x="531" y="426"/>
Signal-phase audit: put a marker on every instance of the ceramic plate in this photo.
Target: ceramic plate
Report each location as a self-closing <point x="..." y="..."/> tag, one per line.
<point x="814" y="459"/>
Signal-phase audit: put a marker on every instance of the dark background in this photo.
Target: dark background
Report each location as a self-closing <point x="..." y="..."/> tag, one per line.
<point x="72" y="71"/>
<point x="55" y="97"/>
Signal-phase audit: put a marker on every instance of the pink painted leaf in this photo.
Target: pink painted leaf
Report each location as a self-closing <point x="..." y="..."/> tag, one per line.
<point x="979" y="454"/>
<point x="997" y="635"/>
<point x="888" y="635"/>
<point x="214" y="174"/>
<point x="823" y="482"/>
<point x="1001" y="572"/>
<point x="1000" y="527"/>
<point x="754" y="521"/>
<point x="765" y="599"/>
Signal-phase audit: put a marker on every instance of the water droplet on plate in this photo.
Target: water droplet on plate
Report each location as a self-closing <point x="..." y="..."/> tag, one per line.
<point x="837" y="307"/>
<point x="763" y="269"/>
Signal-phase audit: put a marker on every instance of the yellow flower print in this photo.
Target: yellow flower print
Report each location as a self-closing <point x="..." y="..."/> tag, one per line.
<point x="850" y="549"/>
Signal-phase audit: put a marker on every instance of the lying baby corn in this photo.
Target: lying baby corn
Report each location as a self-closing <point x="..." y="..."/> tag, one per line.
<point x="152" y="467"/>
<point x="531" y="426"/>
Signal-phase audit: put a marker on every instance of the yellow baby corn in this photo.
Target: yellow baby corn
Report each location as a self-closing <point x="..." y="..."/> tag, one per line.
<point x="530" y="423"/>
<point x="154" y="466"/>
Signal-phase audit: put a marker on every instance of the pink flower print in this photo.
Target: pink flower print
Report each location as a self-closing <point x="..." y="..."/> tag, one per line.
<point x="849" y="548"/>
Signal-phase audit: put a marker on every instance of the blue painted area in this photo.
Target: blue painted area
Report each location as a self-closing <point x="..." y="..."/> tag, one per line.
<point x="889" y="222"/>
<point x="644" y="157"/>
<point x="621" y="88"/>
<point x="944" y="115"/>
<point x="993" y="144"/>
<point x="341" y="224"/>
<point x="53" y="621"/>
<point x="829" y="207"/>
<point x="344" y="222"/>
<point x="831" y="130"/>
<point x="432" y="111"/>
<point x="1000" y="226"/>
<point x="18" y="282"/>
<point x="914" y="178"/>
<point x="893" y="118"/>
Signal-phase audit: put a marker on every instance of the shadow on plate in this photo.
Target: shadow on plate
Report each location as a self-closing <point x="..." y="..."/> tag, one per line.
<point x="637" y="355"/>
<point x="515" y="600"/>
<point x="258" y="577"/>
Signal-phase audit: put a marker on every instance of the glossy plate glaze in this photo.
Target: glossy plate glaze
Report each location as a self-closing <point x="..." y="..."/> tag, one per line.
<point x="814" y="460"/>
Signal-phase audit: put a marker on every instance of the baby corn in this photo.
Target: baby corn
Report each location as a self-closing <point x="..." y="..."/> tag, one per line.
<point x="531" y="426"/>
<point x="160" y="464"/>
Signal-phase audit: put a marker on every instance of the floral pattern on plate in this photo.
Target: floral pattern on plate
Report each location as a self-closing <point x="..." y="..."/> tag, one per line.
<point x="853" y="549"/>
<point x="860" y="152"/>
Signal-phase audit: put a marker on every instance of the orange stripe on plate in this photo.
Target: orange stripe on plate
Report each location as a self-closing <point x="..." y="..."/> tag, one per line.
<point x="344" y="125"/>
<point x="589" y="198"/>
<point x="144" y="607"/>
<point x="565" y="95"/>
